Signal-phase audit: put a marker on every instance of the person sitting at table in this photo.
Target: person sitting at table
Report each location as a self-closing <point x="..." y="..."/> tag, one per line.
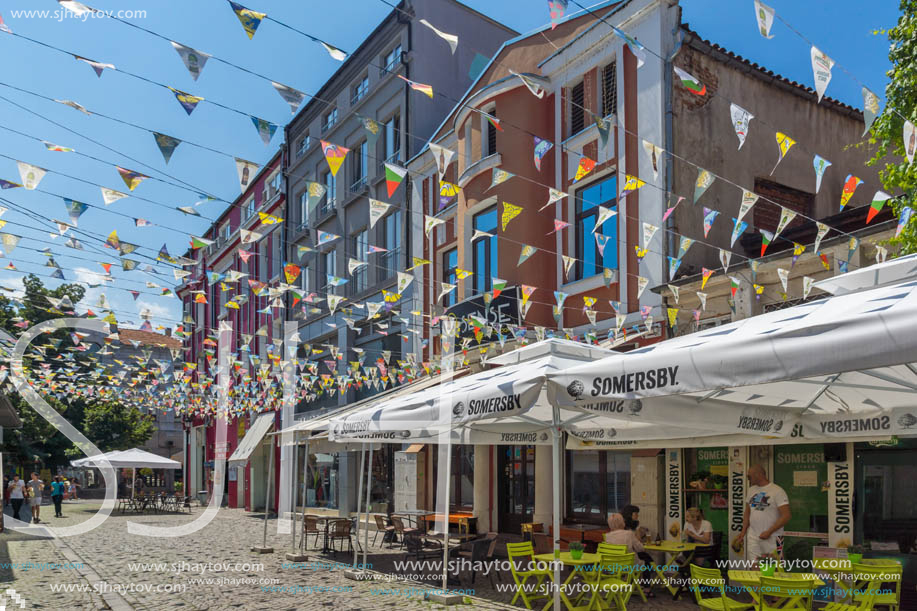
<point x="621" y="535"/>
<point x="697" y="529"/>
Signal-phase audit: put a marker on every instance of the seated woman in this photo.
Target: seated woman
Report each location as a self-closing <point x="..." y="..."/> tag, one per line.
<point x="697" y="529"/>
<point x="621" y="535"/>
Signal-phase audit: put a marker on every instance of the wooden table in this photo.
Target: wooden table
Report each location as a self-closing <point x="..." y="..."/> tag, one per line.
<point x="751" y="581"/>
<point x="672" y="548"/>
<point x="566" y="558"/>
<point x="463" y="521"/>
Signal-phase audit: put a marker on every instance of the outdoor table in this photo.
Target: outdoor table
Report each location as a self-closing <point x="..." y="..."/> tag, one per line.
<point x="672" y="548"/>
<point x="566" y="558"/>
<point x="453" y="538"/>
<point x="463" y="521"/>
<point x="751" y="581"/>
<point x="412" y="516"/>
<point x="327" y="520"/>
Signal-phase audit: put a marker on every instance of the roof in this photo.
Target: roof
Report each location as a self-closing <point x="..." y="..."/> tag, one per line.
<point x="695" y="41"/>
<point x="401" y="7"/>
<point x="490" y="63"/>
<point x="148" y="338"/>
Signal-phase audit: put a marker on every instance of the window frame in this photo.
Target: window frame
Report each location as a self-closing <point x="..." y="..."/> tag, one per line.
<point x="577" y="112"/>
<point x="392" y="231"/>
<point x="359" y="166"/>
<point x="329" y="119"/>
<point x="393" y="132"/>
<point x="488" y="133"/>
<point x="579" y="231"/>
<point x="359" y="279"/>
<point x="450" y="276"/>
<point x="609" y="99"/>
<point x="359" y="90"/>
<point x="391" y="58"/>
<point x="329" y="259"/>
<point x="250" y="208"/>
<point x="304" y="144"/>
<point x="600" y="516"/>
<point x="484" y="282"/>
<point x="329" y="202"/>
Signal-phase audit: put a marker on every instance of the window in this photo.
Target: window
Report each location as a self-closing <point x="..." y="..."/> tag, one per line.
<point x="587" y="201"/>
<point x="303" y="146"/>
<point x="225" y="232"/>
<point x="250" y="208"/>
<point x="330" y="193"/>
<point x="391" y="236"/>
<point x="484" y="250"/>
<point x="450" y="263"/>
<point x="359" y="90"/>
<point x="360" y="252"/>
<point x="277" y="250"/>
<point x="263" y="262"/>
<point x="599" y="484"/>
<point x="610" y="89"/>
<point x="577" y="113"/>
<point x="391" y="60"/>
<point x="265" y="191"/>
<point x="491" y="132"/>
<point x="303" y="209"/>
<point x="462" y="476"/>
<point x="393" y="138"/>
<point x="305" y="283"/>
<point x="358" y="167"/>
<point x="276" y="183"/>
<point x="329" y="268"/>
<point x="329" y="120"/>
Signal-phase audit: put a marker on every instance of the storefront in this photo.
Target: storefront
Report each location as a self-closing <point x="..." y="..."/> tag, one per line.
<point x="598" y="483"/>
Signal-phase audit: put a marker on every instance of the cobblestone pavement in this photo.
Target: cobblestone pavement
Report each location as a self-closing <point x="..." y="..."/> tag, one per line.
<point x="137" y="572"/>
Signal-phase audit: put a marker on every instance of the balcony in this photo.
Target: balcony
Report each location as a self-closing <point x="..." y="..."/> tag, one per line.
<point x="358" y="186"/>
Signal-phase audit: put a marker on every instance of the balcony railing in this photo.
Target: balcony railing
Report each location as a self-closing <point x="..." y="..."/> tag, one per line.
<point x="358" y="186"/>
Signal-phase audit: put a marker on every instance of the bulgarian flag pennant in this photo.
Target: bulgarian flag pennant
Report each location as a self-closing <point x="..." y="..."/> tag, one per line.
<point x="197" y="242"/>
<point x="691" y="84"/>
<point x="498" y="285"/>
<point x="733" y="285"/>
<point x="334" y="155"/>
<point x="393" y="177"/>
<point x="878" y="202"/>
<point x="766" y="238"/>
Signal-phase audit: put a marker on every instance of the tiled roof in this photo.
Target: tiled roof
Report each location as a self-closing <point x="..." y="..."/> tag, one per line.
<point x="695" y="41"/>
<point x="148" y="338"/>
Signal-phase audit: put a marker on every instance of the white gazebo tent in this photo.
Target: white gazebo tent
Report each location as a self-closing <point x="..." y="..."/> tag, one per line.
<point x="133" y="459"/>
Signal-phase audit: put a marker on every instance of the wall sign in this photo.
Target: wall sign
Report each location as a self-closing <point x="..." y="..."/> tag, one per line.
<point x="674" y="505"/>
<point x="738" y="459"/>
<point x="840" y="501"/>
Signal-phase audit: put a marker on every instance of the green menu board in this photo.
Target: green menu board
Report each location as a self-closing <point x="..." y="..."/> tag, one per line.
<point x="801" y="471"/>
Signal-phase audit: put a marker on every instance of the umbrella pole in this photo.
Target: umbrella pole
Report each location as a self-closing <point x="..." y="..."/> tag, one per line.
<point x="305" y="492"/>
<point x="448" y="470"/>
<point x="267" y="491"/>
<point x="293" y="504"/>
<point x="369" y="476"/>
<point x="556" y="506"/>
<point x="359" y="500"/>
<point x="133" y="481"/>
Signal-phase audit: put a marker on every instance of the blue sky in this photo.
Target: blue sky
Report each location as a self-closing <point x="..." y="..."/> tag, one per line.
<point x="841" y="28"/>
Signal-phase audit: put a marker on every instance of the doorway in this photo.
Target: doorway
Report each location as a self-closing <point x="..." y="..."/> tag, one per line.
<point x="516" y="497"/>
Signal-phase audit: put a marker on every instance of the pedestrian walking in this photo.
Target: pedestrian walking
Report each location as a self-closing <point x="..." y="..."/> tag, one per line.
<point x="35" y="487"/>
<point x="57" y="495"/>
<point x="16" y="494"/>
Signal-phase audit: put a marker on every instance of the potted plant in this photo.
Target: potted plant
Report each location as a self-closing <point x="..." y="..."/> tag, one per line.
<point x="768" y="564"/>
<point x="855" y="553"/>
<point x="698" y="481"/>
<point x="719" y="481"/>
<point x="576" y="550"/>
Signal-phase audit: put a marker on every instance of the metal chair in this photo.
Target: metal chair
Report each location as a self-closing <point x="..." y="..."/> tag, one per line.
<point x="523" y="554"/>
<point x="778" y="593"/>
<point x="421" y="547"/>
<point x="890" y="571"/>
<point x="309" y="527"/>
<point x="387" y="530"/>
<point x="400" y="530"/>
<point x="340" y="530"/>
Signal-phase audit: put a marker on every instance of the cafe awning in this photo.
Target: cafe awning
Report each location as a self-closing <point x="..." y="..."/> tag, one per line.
<point x="841" y="367"/>
<point x="252" y="439"/>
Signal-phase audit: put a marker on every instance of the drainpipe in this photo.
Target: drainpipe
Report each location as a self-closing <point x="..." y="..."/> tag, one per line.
<point x="669" y="145"/>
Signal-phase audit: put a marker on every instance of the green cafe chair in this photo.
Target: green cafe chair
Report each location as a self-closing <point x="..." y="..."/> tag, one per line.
<point x="889" y="571"/>
<point x="866" y="603"/>
<point x="783" y="594"/>
<point x="631" y="577"/>
<point x="710" y="581"/>
<point x="612" y="583"/>
<point x="521" y="555"/>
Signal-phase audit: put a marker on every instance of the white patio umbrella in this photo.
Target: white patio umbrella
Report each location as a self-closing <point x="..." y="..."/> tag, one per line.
<point x="129" y="459"/>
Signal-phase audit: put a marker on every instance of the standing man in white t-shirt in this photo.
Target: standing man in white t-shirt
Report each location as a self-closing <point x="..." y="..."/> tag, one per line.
<point x="767" y="511"/>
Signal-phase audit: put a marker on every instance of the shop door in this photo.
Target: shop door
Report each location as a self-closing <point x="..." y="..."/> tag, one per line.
<point x="517" y="487"/>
